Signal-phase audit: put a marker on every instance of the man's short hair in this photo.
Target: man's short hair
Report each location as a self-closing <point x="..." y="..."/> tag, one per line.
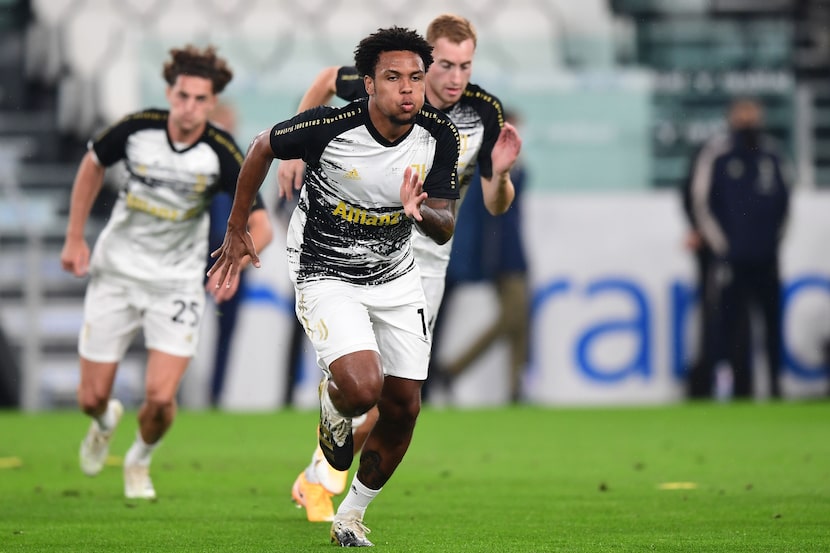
<point x="454" y="28"/>
<point x="393" y="39"/>
<point x="196" y="62"/>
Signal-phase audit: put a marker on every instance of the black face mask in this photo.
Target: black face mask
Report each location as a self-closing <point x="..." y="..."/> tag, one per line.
<point x="747" y="139"/>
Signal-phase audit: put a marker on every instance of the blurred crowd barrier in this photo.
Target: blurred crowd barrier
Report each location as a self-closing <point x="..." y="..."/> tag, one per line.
<point x="613" y="317"/>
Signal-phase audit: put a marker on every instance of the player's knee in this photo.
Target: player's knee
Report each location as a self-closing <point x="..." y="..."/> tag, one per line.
<point x="92" y="403"/>
<point x="401" y="412"/>
<point x="158" y="404"/>
<point x="355" y="392"/>
<point x="360" y="400"/>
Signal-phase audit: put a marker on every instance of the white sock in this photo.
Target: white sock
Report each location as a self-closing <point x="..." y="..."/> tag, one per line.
<point x="357" y="498"/>
<point x="140" y="453"/>
<point x="359" y="420"/>
<point x="106" y="420"/>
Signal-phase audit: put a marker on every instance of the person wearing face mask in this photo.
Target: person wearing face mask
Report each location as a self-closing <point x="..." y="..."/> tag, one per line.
<point x="740" y="195"/>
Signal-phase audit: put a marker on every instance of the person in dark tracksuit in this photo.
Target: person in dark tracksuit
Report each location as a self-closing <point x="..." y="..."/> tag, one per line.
<point x="740" y="191"/>
<point x="700" y="372"/>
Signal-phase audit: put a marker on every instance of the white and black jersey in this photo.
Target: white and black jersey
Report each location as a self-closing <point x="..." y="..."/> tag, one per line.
<point x="479" y="118"/>
<point x="349" y="223"/>
<point x="157" y="233"/>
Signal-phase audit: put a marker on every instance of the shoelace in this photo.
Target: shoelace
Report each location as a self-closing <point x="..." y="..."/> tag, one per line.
<point x="340" y="430"/>
<point x="99" y="439"/>
<point x="356" y="525"/>
<point x="142" y="476"/>
<point x="338" y="426"/>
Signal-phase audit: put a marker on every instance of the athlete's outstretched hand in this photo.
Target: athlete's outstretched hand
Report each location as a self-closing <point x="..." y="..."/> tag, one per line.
<point x="506" y="149"/>
<point x="412" y="194"/>
<point x="231" y="258"/>
<point x="221" y="293"/>
<point x="290" y="177"/>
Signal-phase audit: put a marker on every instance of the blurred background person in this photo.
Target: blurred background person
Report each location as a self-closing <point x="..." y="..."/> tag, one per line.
<point x="740" y="193"/>
<point x="227" y="312"/>
<point x="298" y="343"/>
<point x="701" y="372"/>
<point x="491" y="248"/>
<point x="9" y="374"/>
<point x="147" y="268"/>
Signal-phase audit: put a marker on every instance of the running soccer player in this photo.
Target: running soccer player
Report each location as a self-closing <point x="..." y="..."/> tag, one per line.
<point x="147" y="268"/>
<point x="377" y="168"/>
<point x="487" y="142"/>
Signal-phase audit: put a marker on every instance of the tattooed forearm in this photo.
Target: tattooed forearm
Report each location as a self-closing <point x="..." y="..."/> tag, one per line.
<point x="439" y="219"/>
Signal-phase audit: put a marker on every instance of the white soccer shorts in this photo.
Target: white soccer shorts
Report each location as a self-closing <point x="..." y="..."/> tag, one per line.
<point x="391" y="319"/>
<point x="114" y="312"/>
<point x="434" y="293"/>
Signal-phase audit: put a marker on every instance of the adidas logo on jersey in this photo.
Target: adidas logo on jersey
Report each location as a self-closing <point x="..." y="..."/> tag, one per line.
<point x="352" y="175"/>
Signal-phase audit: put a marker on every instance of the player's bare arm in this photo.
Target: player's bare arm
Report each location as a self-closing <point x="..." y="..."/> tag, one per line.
<point x="498" y="190"/>
<point x="88" y="182"/>
<point x="438" y="219"/>
<point x="238" y="243"/>
<point x="321" y="91"/>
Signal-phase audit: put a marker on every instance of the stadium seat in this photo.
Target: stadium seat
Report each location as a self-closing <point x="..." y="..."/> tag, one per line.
<point x="182" y="22"/>
<point x="92" y="42"/>
<point x="522" y="37"/>
<point x="44" y="58"/>
<point x="118" y="87"/>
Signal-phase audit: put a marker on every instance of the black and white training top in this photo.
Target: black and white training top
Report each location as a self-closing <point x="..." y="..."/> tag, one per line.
<point x="349" y="223"/>
<point x="479" y="118"/>
<point x="157" y="233"/>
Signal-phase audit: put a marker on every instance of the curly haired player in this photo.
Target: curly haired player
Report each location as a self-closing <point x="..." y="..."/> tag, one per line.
<point x="378" y="168"/>
<point x="489" y="144"/>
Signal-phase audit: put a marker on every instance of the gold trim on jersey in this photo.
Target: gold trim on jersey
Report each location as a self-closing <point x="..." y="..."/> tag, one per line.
<point x="319" y="121"/>
<point x="221" y="140"/>
<point x="490" y="100"/>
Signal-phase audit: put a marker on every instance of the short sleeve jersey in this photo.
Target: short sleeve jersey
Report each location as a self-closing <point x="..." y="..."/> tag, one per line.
<point x="157" y="233"/>
<point x="479" y="118"/>
<point x="349" y="223"/>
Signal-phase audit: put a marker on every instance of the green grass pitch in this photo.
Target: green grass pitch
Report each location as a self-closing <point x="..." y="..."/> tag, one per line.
<point x="699" y="477"/>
